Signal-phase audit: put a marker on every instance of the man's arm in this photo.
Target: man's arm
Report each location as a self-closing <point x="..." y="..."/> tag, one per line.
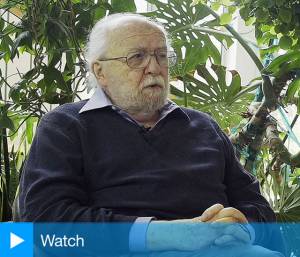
<point x="242" y="188"/>
<point x="243" y="192"/>
<point x="53" y="186"/>
<point x="192" y="235"/>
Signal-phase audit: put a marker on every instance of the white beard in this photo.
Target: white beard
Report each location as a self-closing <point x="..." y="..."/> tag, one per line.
<point x="143" y="99"/>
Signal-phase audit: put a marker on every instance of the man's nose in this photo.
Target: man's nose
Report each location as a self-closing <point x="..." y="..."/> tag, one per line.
<point x="153" y="65"/>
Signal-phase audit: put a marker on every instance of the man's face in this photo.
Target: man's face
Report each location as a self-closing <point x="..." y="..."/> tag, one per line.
<point x="135" y="90"/>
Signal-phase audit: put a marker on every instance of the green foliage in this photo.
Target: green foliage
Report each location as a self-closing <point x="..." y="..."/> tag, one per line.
<point x="209" y="91"/>
<point x="283" y="64"/>
<point x="53" y="33"/>
<point x="273" y="19"/>
<point x="192" y="31"/>
<point x="289" y="213"/>
<point x="289" y="63"/>
<point x="4" y="203"/>
<point x="225" y="18"/>
<point x="185" y="22"/>
<point x="293" y="92"/>
<point x="123" y="6"/>
<point x="290" y="208"/>
<point x="5" y="121"/>
<point x="277" y="27"/>
<point x="276" y="21"/>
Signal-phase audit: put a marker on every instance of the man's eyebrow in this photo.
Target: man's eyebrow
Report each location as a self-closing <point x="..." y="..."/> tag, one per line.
<point x="144" y="49"/>
<point x="136" y="49"/>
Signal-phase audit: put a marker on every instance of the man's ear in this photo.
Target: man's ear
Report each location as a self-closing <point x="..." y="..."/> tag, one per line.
<point x="98" y="72"/>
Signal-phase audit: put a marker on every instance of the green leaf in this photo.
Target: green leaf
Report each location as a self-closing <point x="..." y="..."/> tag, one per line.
<point x="265" y="38"/>
<point x="244" y="12"/>
<point x="261" y="14"/>
<point x="183" y="21"/>
<point x="6" y="122"/>
<point x="225" y="18"/>
<point x="225" y="2"/>
<point x="1" y="24"/>
<point x="123" y="6"/>
<point x="23" y="38"/>
<point x="231" y="9"/>
<point x="70" y="62"/>
<point x="28" y="75"/>
<point x="195" y="2"/>
<point x="54" y="75"/>
<point x="250" y="21"/>
<point x="54" y="58"/>
<point x="285" y="42"/>
<point x="5" y="47"/>
<point x="16" y="119"/>
<point x="285" y="15"/>
<point x="293" y="88"/>
<point x="234" y="87"/>
<point x="279" y="3"/>
<point x="99" y="12"/>
<point x="195" y="53"/>
<point x="224" y="39"/>
<point x="215" y="6"/>
<point x="213" y="95"/>
<point x="57" y="26"/>
<point x="269" y="50"/>
<point x="29" y="129"/>
<point x="278" y="61"/>
<point x="4" y="199"/>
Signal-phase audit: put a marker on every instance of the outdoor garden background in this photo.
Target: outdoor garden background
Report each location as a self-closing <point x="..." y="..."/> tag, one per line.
<point x="238" y="60"/>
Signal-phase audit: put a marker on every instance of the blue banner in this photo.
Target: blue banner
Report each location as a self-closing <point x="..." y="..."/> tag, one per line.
<point x="164" y="239"/>
<point x="16" y="239"/>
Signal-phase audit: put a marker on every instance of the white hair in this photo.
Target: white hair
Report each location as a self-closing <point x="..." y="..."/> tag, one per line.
<point x="98" y="39"/>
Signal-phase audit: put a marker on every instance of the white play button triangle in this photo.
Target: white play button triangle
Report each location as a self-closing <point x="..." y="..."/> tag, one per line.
<point x="15" y="240"/>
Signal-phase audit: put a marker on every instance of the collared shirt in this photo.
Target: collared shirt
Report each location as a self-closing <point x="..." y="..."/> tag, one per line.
<point x="100" y="100"/>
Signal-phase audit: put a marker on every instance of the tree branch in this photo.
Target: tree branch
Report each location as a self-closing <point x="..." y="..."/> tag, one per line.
<point x="278" y="148"/>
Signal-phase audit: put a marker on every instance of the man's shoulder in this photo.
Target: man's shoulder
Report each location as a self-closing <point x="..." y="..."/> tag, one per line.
<point x="65" y="113"/>
<point x="196" y="114"/>
<point x="201" y="119"/>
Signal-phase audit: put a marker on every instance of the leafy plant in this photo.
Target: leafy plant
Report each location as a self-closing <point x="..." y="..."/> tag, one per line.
<point x="212" y="94"/>
<point x="205" y="86"/>
<point x="53" y="33"/>
<point x="192" y="31"/>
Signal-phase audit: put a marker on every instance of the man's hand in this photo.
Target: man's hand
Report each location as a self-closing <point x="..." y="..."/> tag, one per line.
<point x="192" y="235"/>
<point x="217" y="213"/>
<point x="216" y="226"/>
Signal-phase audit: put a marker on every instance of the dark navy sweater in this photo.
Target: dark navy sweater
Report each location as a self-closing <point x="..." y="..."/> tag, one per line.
<point x="98" y="166"/>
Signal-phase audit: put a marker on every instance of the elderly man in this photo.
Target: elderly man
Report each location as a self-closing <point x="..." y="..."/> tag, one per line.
<point x="128" y="154"/>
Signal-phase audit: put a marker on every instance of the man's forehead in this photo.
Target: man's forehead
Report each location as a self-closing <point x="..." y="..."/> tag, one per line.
<point x="137" y="35"/>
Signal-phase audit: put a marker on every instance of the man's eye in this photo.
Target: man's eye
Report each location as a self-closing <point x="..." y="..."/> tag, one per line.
<point x="136" y="56"/>
<point x="162" y="55"/>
